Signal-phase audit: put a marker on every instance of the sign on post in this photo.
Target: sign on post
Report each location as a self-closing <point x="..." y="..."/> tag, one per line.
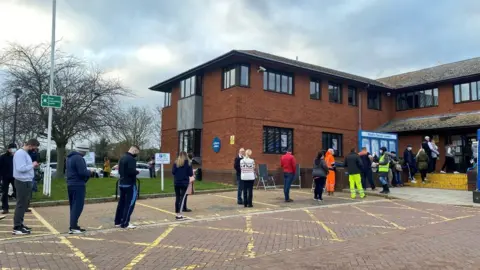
<point x="162" y="158"/>
<point x="89" y="158"/>
<point x="51" y="101"/>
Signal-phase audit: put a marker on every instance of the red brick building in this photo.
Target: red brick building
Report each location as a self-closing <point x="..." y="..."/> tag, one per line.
<point x="269" y="103"/>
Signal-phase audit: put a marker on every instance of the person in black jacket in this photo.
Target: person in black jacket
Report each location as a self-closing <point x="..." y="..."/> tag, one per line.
<point x="6" y="174"/>
<point x="127" y="169"/>
<point x="182" y="171"/>
<point x="236" y="166"/>
<point x="354" y="166"/>
<point x="409" y="159"/>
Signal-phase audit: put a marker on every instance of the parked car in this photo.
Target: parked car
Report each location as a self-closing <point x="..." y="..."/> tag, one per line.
<point x="96" y="174"/>
<point x="142" y="168"/>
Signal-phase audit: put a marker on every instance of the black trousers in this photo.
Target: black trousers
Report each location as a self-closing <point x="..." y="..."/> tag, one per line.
<point x="126" y="205"/>
<point x="319" y="185"/>
<point x="248" y="192"/>
<point x="449" y="164"/>
<point x="423" y="174"/>
<point x="5" y="185"/>
<point x="179" y="196"/>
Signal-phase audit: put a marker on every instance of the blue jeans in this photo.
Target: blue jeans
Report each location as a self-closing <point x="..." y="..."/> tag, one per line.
<point x="383" y="180"/>
<point x="239" y="190"/>
<point x="398" y="178"/>
<point x="287" y="182"/>
<point x="76" y="197"/>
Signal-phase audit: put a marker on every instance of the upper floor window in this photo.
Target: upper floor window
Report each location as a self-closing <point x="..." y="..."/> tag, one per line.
<point x="374" y="100"/>
<point x="277" y="140"/>
<point x="238" y="75"/>
<point x="277" y="82"/>
<point x="315" y="89"/>
<point x="191" y="86"/>
<point x="352" y="96"/>
<point x="417" y="99"/>
<point x="334" y="92"/>
<point x="467" y="92"/>
<point x="167" y="102"/>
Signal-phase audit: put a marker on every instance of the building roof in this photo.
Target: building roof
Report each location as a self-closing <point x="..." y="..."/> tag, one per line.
<point x="465" y="68"/>
<point x="468" y="119"/>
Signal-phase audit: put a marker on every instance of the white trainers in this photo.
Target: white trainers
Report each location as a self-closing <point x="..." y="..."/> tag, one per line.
<point x="131" y="227"/>
<point x="442" y="172"/>
<point x="455" y="172"/>
<point x="413" y="181"/>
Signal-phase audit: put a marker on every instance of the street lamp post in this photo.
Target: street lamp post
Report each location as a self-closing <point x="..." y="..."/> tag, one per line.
<point x="17" y="92"/>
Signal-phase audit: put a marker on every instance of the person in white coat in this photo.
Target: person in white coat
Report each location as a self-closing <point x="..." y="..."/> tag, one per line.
<point x="247" y="176"/>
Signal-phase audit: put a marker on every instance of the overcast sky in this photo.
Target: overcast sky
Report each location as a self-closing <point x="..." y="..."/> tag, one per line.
<point x="144" y="42"/>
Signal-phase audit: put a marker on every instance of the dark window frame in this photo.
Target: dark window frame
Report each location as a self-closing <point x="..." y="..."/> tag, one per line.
<point x="195" y="143"/>
<point x="379" y="96"/>
<point x="327" y="138"/>
<point x="238" y="76"/>
<point x="317" y="84"/>
<point x="278" y="78"/>
<point x="167" y="99"/>
<point x="352" y="89"/>
<point x="277" y="140"/>
<point x="340" y="92"/>
<point x="197" y="87"/>
<point x="416" y="101"/>
<point x="470" y="99"/>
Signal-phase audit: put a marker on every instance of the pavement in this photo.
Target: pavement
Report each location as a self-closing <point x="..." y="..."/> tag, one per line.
<point x="340" y="233"/>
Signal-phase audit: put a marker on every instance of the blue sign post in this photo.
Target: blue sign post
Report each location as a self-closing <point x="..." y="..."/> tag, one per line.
<point x="478" y="159"/>
<point x="373" y="141"/>
<point x="216" y="145"/>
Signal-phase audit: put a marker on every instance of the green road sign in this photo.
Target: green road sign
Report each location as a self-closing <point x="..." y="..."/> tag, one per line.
<point x="51" y="101"/>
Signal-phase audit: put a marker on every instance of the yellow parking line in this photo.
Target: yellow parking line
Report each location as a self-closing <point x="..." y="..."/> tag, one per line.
<point x="155" y="243"/>
<point x="65" y="241"/>
<point x="419" y="210"/>
<point x="255" y="202"/>
<point x="24" y="236"/>
<point x="32" y="226"/>
<point x="382" y="219"/>
<point x="106" y="240"/>
<point x="159" y="209"/>
<point x="336" y="197"/>
<point x="251" y="241"/>
<point x="36" y="253"/>
<point x="325" y="227"/>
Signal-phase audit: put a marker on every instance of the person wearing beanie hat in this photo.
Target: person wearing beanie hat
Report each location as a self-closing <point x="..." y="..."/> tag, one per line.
<point x="383" y="167"/>
<point x="409" y="159"/>
<point x="77" y="177"/>
<point x="6" y="174"/>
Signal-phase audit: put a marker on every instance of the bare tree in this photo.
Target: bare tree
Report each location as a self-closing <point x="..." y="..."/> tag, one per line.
<point x="89" y="99"/>
<point x="134" y="126"/>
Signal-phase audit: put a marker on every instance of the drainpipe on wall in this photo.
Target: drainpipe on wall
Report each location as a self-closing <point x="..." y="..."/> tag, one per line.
<point x="359" y="110"/>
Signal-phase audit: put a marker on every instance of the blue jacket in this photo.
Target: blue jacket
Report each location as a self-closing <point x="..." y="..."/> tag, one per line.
<point x="77" y="172"/>
<point x="127" y="168"/>
<point x="181" y="175"/>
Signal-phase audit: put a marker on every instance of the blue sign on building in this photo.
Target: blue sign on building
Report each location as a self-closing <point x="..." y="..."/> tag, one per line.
<point x="475" y="155"/>
<point x="373" y="141"/>
<point x="216" y="144"/>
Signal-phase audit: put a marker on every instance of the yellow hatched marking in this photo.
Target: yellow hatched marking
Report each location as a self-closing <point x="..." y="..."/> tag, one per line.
<point x="421" y="211"/>
<point x="65" y="241"/>
<point x="24" y="236"/>
<point x="380" y="218"/>
<point x="333" y="223"/>
<point x="36" y="254"/>
<point x="251" y="241"/>
<point x="325" y="227"/>
<point x="6" y="268"/>
<point x="155" y="243"/>
<point x="336" y="197"/>
<point x="107" y="240"/>
<point x="255" y="202"/>
<point x="32" y="226"/>
<point x="189" y="267"/>
<point x="158" y="209"/>
<point x="193" y="249"/>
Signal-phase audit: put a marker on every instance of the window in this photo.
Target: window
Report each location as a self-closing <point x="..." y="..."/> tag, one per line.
<point x="167" y="102"/>
<point x="334" y="92"/>
<point x="374" y="100"/>
<point x="190" y="141"/>
<point x="278" y="82"/>
<point x="466" y="92"/>
<point x="191" y="86"/>
<point x="238" y="75"/>
<point x="334" y="141"/>
<point x="352" y="96"/>
<point x="315" y="89"/>
<point x="277" y="140"/>
<point x="417" y="99"/>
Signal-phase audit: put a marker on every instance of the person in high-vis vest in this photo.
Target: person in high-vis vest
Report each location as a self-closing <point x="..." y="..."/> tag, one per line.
<point x="354" y="165"/>
<point x="383" y="167"/>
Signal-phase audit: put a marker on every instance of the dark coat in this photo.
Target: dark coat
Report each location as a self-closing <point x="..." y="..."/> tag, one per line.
<point x="409" y="158"/>
<point x="181" y="175"/>
<point x="6" y="166"/>
<point x="236" y="164"/>
<point x="422" y="161"/>
<point x="353" y="163"/>
<point x="127" y="169"/>
<point x="77" y="172"/>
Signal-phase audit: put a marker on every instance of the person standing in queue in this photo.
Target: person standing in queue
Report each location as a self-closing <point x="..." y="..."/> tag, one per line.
<point x="383" y="168"/>
<point x="409" y="159"/>
<point x="367" y="169"/>
<point x="77" y="177"/>
<point x="127" y="169"/>
<point x="289" y="165"/>
<point x="182" y="171"/>
<point x="6" y="173"/>
<point x="330" y="160"/>
<point x="236" y="166"/>
<point x="190" y="185"/>
<point x="354" y="166"/>
<point x="247" y="167"/>
<point x="422" y="164"/>
<point x="319" y="173"/>
<point x="23" y="172"/>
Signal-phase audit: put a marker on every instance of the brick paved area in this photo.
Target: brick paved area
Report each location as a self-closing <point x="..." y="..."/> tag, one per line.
<point x="339" y="234"/>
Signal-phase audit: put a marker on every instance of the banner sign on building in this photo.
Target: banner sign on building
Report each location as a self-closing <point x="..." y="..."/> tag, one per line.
<point x="373" y="141"/>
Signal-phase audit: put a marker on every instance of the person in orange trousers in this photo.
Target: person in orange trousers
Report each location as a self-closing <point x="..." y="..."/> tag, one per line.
<point x="330" y="160"/>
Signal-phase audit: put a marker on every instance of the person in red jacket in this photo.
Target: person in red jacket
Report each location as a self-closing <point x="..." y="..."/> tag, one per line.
<point x="289" y="166"/>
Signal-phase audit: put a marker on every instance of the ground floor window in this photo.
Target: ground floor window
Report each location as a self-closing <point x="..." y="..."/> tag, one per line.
<point x="334" y="141"/>
<point x="190" y="141"/>
<point x="277" y="140"/>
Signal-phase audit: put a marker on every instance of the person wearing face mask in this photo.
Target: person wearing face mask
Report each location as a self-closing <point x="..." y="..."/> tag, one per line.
<point x="383" y="167"/>
<point x="6" y="173"/>
<point x="127" y="168"/>
<point x="77" y="177"/>
<point x="409" y="159"/>
<point x="23" y="172"/>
